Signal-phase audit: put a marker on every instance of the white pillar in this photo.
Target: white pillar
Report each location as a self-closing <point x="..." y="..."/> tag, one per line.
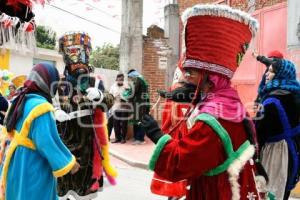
<point x="171" y="12"/>
<point x="131" y="44"/>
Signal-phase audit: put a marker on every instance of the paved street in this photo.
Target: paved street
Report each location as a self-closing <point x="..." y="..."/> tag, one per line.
<point x="132" y="184"/>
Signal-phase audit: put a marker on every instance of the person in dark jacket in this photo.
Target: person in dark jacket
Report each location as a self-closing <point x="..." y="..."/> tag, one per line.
<point x="278" y="126"/>
<point x="138" y="97"/>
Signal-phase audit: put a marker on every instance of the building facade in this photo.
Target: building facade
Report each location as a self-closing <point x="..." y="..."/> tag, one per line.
<point x="279" y="22"/>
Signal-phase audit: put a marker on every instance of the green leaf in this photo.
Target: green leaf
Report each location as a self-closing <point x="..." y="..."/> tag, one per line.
<point x="107" y="56"/>
<point x="45" y="37"/>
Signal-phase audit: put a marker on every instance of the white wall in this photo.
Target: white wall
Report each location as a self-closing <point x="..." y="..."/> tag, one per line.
<point x="22" y="63"/>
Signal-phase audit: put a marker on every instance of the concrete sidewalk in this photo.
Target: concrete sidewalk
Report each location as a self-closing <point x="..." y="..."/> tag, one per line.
<point x="134" y="155"/>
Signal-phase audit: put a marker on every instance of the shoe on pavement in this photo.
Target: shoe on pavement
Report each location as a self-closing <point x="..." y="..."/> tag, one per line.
<point x="123" y="141"/>
<point x="116" y="141"/>
<point x="138" y="142"/>
<point x="135" y="142"/>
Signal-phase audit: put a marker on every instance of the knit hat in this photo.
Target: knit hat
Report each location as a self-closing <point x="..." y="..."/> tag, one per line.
<point x="133" y="74"/>
<point x="216" y="37"/>
<point x="275" y="54"/>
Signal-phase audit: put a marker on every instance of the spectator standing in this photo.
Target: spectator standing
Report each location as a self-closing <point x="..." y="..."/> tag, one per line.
<point x="278" y="126"/>
<point x="12" y="92"/>
<point x="118" y="117"/>
<point x="138" y="97"/>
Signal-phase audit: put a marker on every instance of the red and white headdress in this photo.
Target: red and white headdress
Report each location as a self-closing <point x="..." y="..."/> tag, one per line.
<point x="215" y="37"/>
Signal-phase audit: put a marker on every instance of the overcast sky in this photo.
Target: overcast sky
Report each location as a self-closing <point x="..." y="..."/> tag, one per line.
<point x="106" y="15"/>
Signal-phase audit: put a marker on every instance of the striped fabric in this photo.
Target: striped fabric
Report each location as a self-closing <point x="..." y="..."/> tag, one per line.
<point x="43" y="75"/>
<point x="41" y="80"/>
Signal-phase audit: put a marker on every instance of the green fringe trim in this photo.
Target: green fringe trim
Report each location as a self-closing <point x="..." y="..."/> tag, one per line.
<point x="159" y="147"/>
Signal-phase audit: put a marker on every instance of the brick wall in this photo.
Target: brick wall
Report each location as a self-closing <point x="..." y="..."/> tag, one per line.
<point x="184" y="4"/>
<point x="154" y="42"/>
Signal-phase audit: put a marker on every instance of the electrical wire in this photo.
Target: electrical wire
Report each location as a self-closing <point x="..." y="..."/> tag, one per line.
<point x="85" y="19"/>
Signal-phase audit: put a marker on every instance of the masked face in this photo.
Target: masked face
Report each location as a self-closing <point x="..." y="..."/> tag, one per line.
<point x="78" y="78"/>
<point x="75" y="54"/>
<point x="184" y="93"/>
<point x="192" y="76"/>
<point x="75" y="48"/>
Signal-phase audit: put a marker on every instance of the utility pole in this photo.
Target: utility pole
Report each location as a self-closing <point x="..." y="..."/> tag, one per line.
<point x="171" y="29"/>
<point x="131" y="44"/>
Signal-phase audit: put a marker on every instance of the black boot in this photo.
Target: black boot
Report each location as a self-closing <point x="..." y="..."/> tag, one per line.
<point x="116" y="141"/>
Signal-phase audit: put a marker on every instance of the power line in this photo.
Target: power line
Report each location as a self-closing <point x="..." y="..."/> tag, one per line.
<point x="85" y="19"/>
<point x="102" y="11"/>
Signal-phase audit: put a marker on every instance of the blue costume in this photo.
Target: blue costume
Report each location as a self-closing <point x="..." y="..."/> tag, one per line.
<point x="32" y="154"/>
<point x="30" y="170"/>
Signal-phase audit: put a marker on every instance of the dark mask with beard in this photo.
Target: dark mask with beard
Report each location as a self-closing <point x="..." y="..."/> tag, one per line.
<point x="120" y="84"/>
<point x="183" y="94"/>
<point x="78" y="78"/>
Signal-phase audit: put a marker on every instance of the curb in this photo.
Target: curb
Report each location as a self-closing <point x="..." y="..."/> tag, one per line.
<point x="130" y="162"/>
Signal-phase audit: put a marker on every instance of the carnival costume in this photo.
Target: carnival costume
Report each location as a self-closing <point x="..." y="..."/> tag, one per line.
<point x="32" y="153"/>
<point x="82" y="118"/>
<point x="17" y="24"/>
<point x="214" y="155"/>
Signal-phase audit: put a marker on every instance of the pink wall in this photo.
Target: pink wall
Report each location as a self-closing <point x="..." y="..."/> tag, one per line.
<point x="272" y="35"/>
